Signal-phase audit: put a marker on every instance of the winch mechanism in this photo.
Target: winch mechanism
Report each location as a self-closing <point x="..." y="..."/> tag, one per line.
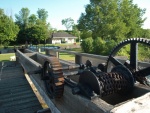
<point x="114" y="77"/>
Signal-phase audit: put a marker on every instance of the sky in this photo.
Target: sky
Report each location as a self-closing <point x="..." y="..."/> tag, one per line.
<point x="61" y="9"/>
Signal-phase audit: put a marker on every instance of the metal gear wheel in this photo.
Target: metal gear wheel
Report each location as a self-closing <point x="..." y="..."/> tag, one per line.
<point x="141" y="75"/>
<point x="53" y="77"/>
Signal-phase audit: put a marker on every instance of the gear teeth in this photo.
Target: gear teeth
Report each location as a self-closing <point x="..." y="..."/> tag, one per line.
<point x="147" y="41"/>
<point x="56" y="78"/>
<point x="128" y="39"/>
<point x="123" y="43"/>
<point x="140" y="39"/>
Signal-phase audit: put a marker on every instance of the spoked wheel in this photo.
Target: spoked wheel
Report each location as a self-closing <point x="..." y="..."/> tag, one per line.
<point x="140" y="73"/>
<point x="53" y="78"/>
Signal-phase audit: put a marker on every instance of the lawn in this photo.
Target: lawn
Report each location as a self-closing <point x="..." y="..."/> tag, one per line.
<point x="6" y="57"/>
<point x="66" y="56"/>
<point x="79" y="50"/>
<point x="62" y="55"/>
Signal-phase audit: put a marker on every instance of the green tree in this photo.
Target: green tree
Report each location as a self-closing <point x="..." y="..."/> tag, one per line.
<point x="33" y="28"/>
<point x="109" y="45"/>
<point x="86" y="34"/>
<point x="32" y="19"/>
<point x="75" y="31"/>
<point x="131" y="15"/>
<point x="68" y="22"/>
<point x="22" y="36"/>
<point x="22" y="18"/>
<point x="146" y="33"/>
<point x="112" y="19"/>
<point x="87" y="45"/>
<point x="39" y="32"/>
<point x="42" y="14"/>
<point x="8" y="29"/>
<point x="99" y="46"/>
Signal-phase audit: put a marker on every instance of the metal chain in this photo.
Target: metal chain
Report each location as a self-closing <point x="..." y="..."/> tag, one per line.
<point x="112" y="82"/>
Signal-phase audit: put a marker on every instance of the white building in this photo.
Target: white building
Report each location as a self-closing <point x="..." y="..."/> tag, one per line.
<point x="62" y="37"/>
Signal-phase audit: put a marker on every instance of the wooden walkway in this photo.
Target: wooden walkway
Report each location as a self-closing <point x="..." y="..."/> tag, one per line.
<point x="16" y="95"/>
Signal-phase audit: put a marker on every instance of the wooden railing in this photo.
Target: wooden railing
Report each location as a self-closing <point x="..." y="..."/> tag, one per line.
<point x="81" y="58"/>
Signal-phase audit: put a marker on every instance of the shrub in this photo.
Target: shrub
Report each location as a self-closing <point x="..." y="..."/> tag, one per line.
<point x="143" y="53"/>
<point x="109" y="45"/>
<point x="124" y="51"/>
<point x="86" y="45"/>
<point x="99" y="46"/>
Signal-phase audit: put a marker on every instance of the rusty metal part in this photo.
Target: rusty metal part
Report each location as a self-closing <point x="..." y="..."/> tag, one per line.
<point x="53" y="77"/>
<point x="132" y="65"/>
<point x="120" y="80"/>
<point x="127" y="79"/>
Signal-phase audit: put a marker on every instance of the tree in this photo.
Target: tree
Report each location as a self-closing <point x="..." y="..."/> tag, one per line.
<point x="32" y="28"/>
<point x="99" y="46"/>
<point x="8" y="29"/>
<point x="86" y="34"/>
<point x="22" y="36"/>
<point x="32" y="19"/>
<point x="68" y="22"/>
<point x="132" y="16"/>
<point x="112" y="19"/>
<point x="75" y="31"/>
<point x="87" y="45"/>
<point x="146" y="33"/>
<point x="22" y="18"/>
<point x="39" y="32"/>
<point x="42" y="14"/>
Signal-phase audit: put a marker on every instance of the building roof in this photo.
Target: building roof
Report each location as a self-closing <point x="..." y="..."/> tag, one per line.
<point x="62" y="35"/>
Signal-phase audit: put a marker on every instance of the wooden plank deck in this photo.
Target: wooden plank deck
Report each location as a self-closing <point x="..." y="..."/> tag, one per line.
<point x="16" y="95"/>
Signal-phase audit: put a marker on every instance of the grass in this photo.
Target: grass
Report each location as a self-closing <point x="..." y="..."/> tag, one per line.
<point x="66" y="56"/>
<point x="6" y="57"/>
<point x="62" y="55"/>
<point x="75" y="49"/>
